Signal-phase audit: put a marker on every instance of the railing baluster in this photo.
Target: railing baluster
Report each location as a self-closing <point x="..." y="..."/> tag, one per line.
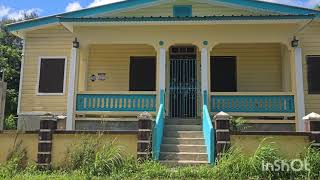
<point x="252" y="103"/>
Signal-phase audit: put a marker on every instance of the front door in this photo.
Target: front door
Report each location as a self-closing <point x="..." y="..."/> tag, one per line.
<point x="183" y="82"/>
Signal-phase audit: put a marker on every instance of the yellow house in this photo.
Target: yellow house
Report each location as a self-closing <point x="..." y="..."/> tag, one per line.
<point x="102" y="66"/>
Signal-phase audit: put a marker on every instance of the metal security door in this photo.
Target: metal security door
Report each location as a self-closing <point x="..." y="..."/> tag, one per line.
<point x="183" y="82"/>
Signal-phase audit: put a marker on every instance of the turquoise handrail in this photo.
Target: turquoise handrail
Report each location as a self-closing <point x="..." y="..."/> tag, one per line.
<point x="157" y="132"/>
<point x="209" y="134"/>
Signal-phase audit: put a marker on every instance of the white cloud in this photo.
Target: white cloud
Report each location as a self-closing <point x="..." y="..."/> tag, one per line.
<point x="10" y="13"/>
<point x="4" y="11"/>
<point x="73" y="6"/>
<point x="102" y="2"/>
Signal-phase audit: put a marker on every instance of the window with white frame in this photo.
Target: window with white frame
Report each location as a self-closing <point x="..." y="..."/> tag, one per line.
<point x="52" y="74"/>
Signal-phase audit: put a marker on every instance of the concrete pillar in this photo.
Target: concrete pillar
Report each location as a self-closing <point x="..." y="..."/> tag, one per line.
<point x="144" y="136"/>
<point x="162" y="73"/>
<point x="298" y="87"/>
<point x="222" y="125"/>
<point x="72" y="87"/>
<point x="47" y="125"/>
<point x="204" y="74"/>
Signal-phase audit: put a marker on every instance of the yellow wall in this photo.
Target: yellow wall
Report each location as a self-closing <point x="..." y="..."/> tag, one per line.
<point x="199" y="9"/>
<point x="63" y="142"/>
<point x="114" y="60"/>
<point x="289" y="146"/>
<point x="54" y="41"/>
<point x="8" y="140"/>
<point x="310" y="39"/>
<point x="258" y="65"/>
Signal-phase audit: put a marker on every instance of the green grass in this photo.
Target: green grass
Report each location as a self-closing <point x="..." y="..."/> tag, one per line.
<point x="94" y="159"/>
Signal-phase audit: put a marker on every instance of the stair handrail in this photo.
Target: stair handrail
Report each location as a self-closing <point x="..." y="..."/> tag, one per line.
<point x="208" y="130"/>
<point x="157" y="132"/>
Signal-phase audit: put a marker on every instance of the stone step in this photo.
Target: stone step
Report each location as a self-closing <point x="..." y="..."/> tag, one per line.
<point x="174" y="163"/>
<point x="183" y="156"/>
<point x="183" y="141"/>
<point x="183" y="128"/>
<point x="183" y="121"/>
<point x="183" y="148"/>
<point x="183" y="134"/>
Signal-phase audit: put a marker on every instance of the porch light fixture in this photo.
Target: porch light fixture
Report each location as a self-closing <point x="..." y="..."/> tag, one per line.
<point x="295" y="42"/>
<point x="75" y="43"/>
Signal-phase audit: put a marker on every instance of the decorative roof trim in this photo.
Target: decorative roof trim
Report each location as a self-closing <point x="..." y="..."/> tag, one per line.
<point x="202" y="18"/>
<point x="129" y="4"/>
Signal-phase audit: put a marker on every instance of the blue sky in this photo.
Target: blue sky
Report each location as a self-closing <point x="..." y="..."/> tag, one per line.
<point x="15" y="8"/>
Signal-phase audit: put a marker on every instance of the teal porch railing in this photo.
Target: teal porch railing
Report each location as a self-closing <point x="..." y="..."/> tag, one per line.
<point x="253" y="103"/>
<point x="157" y="132"/>
<point x="208" y="130"/>
<point x="116" y="102"/>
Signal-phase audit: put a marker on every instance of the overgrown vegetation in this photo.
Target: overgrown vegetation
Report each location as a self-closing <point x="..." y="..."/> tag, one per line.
<point x="95" y="159"/>
<point x="238" y="124"/>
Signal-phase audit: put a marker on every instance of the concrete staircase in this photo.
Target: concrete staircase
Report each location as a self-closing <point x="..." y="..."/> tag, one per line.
<point x="183" y="143"/>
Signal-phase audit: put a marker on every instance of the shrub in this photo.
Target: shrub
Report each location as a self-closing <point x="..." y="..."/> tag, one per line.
<point x="94" y="157"/>
<point x="10" y="123"/>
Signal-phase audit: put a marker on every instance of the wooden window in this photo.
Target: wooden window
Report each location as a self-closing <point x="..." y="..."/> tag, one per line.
<point x="313" y="63"/>
<point x="52" y="75"/>
<point x="182" y="11"/>
<point x="223" y="74"/>
<point x="142" y="74"/>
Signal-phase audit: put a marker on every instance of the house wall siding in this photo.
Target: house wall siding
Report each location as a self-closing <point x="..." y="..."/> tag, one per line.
<point x="310" y="42"/>
<point x="114" y="60"/>
<point x="259" y="66"/>
<point x="55" y="41"/>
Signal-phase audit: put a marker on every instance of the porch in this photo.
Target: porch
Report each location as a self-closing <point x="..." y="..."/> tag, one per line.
<point x="263" y="82"/>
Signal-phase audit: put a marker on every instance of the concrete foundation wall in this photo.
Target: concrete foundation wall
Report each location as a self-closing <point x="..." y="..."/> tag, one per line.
<point x="290" y="145"/>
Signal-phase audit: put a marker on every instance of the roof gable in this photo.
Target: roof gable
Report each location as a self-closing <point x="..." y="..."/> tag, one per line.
<point x="253" y="5"/>
<point x="199" y="8"/>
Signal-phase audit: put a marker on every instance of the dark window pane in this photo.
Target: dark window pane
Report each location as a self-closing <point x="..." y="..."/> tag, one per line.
<point x="223" y="74"/>
<point x="51" y="75"/>
<point x="142" y="74"/>
<point x="313" y="74"/>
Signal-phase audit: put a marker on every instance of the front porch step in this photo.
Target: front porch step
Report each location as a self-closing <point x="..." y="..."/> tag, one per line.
<point x="183" y="141"/>
<point x="183" y="156"/>
<point x="175" y="163"/>
<point x="183" y="148"/>
<point x="183" y="128"/>
<point x="183" y="134"/>
<point x="183" y="122"/>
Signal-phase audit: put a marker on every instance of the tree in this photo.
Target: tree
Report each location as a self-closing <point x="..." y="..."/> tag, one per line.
<point x="10" y="62"/>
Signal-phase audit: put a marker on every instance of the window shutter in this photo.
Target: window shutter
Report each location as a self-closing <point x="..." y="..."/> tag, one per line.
<point x="142" y="74"/>
<point x="313" y="63"/>
<point x="182" y="11"/>
<point x="51" y="78"/>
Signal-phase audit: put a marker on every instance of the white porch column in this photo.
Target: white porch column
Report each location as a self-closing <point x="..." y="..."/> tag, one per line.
<point x="72" y="88"/>
<point x="162" y="72"/>
<point x="204" y="73"/>
<point x="299" y="89"/>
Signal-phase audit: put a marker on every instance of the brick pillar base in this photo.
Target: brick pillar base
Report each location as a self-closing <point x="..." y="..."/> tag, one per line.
<point x="47" y="126"/>
<point x="222" y="125"/>
<point x="144" y="137"/>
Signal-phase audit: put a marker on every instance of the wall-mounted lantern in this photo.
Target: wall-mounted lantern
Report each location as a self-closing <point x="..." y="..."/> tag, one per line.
<point x="295" y="42"/>
<point x="76" y="43"/>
